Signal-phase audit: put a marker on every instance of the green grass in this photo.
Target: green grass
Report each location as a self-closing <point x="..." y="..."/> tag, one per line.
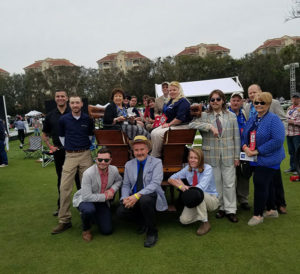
<point x="28" y="197"/>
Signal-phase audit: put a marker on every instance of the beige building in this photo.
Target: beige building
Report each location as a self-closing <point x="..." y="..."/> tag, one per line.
<point x="42" y="65"/>
<point x="204" y="50"/>
<point x="124" y="60"/>
<point x="3" y="73"/>
<point x="275" y="45"/>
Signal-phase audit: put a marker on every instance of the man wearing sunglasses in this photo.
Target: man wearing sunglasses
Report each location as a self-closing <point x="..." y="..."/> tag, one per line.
<point x="100" y="182"/>
<point x="277" y="109"/>
<point x="141" y="190"/>
<point x="221" y="148"/>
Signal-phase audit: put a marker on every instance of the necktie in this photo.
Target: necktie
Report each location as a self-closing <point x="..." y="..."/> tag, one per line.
<point x="219" y="125"/>
<point x="139" y="182"/>
<point x="195" y="178"/>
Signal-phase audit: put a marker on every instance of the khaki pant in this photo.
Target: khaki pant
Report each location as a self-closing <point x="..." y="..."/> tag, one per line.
<point x="199" y="213"/>
<point x="73" y="161"/>
<point x="157" y="138"/>
<point x="225" y="184"/>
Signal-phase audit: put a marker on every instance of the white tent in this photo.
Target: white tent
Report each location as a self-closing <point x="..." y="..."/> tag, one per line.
<point x="205" y="87"/>
<point x="33" y="113"/>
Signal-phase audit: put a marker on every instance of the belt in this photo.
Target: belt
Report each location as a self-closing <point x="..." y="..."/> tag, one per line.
<point x="76" y="151"/>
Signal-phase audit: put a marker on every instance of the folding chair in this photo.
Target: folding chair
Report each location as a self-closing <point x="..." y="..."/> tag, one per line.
<point x="47" y="157"/>
<point x="35" y="147"/>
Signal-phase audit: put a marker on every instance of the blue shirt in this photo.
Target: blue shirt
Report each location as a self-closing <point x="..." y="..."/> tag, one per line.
<point x="138" y="169"/>
<point x="252" y="112"/>
<point x="20" y="125"/>
<point x="76" y="132"/>
<point x="179" y="110"/>
<point x="240" y="119"/>
<point x="206" y="179"/>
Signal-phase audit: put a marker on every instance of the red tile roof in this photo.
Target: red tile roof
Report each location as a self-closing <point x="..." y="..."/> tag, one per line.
<point x="3" y="71"/>
<point x="52" y="63"/>
<point x="212" y="48"/>
<point x="194" y="50"/>
<point x="277" y="42"/>
<point x="128" y="55"/>
<point x="190" y="50"/>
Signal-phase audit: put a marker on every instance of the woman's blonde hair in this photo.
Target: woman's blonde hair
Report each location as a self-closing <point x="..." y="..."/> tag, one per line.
<point x="180" y="95"/>
<point x="200" y="156"/>
<point x="264" y="97"/>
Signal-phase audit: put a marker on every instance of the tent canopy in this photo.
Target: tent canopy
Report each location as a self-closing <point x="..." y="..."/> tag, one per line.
<point x="205" y="87"/>
<point x="33" y="113"/>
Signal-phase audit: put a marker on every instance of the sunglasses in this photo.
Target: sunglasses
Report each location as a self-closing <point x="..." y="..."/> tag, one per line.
<point x="105" y="160"/>
<point x="259" y="103"/>
<point x="215" y="99"/>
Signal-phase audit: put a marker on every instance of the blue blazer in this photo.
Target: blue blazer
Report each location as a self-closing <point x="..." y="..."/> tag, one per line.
<point x="270" y="136"/>
<point x="152" y="178"/>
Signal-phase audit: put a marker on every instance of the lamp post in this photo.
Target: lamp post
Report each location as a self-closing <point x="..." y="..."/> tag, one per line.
<point x="292" y="67"/>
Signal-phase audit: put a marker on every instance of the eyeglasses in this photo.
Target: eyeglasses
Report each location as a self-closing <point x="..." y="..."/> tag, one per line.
<point x="215" y="99"/>
<point x="105" y="160"/>
<point x="259" y="103"/>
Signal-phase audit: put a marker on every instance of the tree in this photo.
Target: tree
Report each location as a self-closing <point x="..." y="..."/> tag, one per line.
<point x="294" y="12"/>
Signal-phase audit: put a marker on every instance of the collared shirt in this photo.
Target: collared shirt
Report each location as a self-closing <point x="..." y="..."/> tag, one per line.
<point x="206" y="179"/>
<point x="51" y="125"/>
<point x="240" y="119"/>
<point x="104" y="179"/>
<point x="138" y="169"/>
<point x="221" y="118"/>
<point x="293" y="113"/>
<point x="76" y="131"/>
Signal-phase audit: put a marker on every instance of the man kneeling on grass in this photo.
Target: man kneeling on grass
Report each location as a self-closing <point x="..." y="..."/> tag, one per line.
<point x="99" y="184"/>
<point x="141" y="190"/>
<point x="199" y="195"/>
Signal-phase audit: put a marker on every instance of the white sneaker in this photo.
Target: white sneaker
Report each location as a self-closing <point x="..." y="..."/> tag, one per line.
<point x="3" y="165"/>
<point x="255" y="221"/>
<point x="271" y="214"/>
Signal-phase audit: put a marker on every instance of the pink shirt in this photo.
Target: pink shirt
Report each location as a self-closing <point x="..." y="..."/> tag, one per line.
<point x="104" y="179"/>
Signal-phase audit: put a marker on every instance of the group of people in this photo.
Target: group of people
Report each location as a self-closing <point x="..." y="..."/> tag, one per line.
<point x="215" y="177"/>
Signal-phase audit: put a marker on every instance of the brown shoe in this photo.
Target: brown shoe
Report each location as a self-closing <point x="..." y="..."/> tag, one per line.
<point x="282" y="210"/>
<point x="203" y="228"/>
<point x="87" y="235"/>
<point x="61" y="228"/>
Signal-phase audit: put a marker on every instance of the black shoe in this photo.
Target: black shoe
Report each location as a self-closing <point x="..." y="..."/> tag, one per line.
<point x="220" y="214"/>
<point x="232" y="217"/>
<point x="151" y="240"/>
<point x="245" y="206"/>
<point x="55" y="213"/>
<point x="141" y="229"/>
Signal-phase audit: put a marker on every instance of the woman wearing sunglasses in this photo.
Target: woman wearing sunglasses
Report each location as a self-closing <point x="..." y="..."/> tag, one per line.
<point x="263" y="136"/>
<point x="221" y="148"/>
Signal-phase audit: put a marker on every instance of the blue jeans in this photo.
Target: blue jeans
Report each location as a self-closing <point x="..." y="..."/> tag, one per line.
<point x="3" y="155"/>
<point x="293" y="143"/>
<point x="98" y="213"/>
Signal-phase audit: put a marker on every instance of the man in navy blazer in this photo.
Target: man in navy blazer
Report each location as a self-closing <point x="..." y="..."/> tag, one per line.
<point x="141" y="190"/>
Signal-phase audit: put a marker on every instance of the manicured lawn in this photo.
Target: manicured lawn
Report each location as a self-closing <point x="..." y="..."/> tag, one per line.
<point x="28" y="197"/>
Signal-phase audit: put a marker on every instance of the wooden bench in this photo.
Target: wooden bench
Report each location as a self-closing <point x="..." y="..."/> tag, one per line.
<point x="174" y="153"/>
<point x="117" y="142"/>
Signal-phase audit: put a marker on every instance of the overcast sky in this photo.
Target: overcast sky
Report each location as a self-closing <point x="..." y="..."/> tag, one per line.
<point x="84" y="31"/>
